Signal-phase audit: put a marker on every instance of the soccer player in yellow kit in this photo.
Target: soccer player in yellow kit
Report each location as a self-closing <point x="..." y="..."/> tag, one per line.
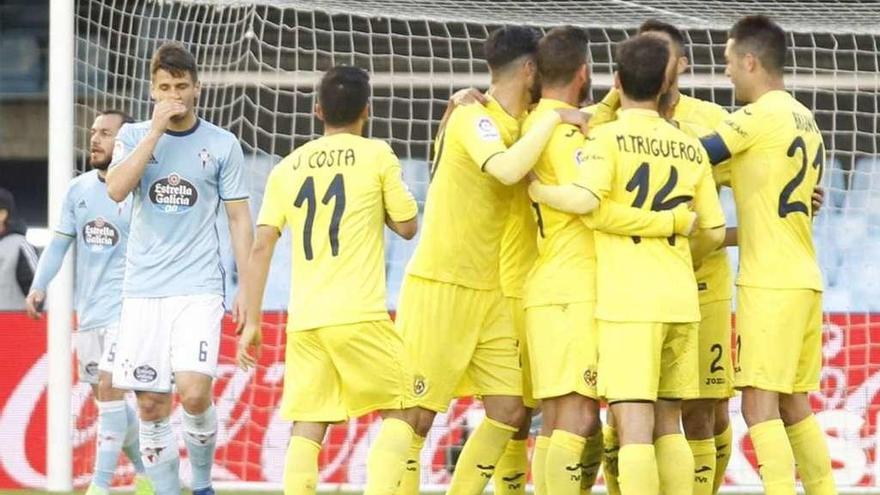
<point x="706" y="419"/>
<point x="647" y="305"/>
<point x="778" y="156"/>
<point x="560" y="291"/>
<point x="451" y="310"/>
<point x="344" y="358"/>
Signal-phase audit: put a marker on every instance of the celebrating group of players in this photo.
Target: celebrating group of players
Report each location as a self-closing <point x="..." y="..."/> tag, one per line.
<point x="567" y="257"/>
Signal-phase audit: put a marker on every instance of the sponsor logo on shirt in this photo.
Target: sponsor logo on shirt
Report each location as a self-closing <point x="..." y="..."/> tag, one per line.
<point x="100" y="234"/>
<point x="173" y="194"/>
<point x="486" y="129"/>
<point x="579" y="157"/>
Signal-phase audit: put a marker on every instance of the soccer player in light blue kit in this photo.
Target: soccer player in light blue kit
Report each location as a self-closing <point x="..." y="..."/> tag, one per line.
<point x="99" y="227"/>
<point x="179" y="169"/>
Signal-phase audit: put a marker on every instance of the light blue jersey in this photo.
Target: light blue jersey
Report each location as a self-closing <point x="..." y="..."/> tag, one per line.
<point x="99" y="226"/>
<point x="174" y="247"/>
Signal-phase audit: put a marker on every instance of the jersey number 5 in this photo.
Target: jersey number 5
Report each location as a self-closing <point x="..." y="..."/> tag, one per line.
<point x="640" y="182"/>
<point x="307" y="197"/>
<point x="787" y="206"/>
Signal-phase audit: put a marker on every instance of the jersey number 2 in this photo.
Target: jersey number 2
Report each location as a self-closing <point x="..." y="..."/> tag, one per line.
<point x="307" y="197"/>
<point x="787" y="206"/>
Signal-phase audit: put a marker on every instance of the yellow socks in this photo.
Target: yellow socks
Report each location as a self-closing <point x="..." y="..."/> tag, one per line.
<point x="590" y="461"/>
<point x="387" y="458"/>
<point x="409" y="482"/>
<point x="675" y="464"/>
<point x="539" y="464"/>
<point x="478" y="459"/>
<point x="775" y="458"/>
<point x="811" y="453"/>
<point x="637" y="467"/>
<point x="563" y="465"/>
<point x="609" y="459"/>
<point x="723" y="448"/>
<point x="301" y="466"/>
<point x="511" y="474"/>
<point x="704" y="465"/>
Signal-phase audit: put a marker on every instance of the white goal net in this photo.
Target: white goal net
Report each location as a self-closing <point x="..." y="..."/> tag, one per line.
<point x="259" y="63"/>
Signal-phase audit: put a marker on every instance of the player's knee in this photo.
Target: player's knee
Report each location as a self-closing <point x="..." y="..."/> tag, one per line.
<point x="511" y="411"/>
<point x="722" y="416"/>
<point x="424" y="419"/>
<point x="698" y="419"/>
<point x="195" y="404"/>
<point x="152" y="407"/>
<point x="794" y="408"/>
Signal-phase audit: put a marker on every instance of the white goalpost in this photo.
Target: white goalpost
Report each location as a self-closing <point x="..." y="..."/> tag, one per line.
<point x="259" y="63"/>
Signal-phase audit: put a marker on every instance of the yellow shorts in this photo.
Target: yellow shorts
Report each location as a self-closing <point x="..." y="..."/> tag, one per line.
<point x="562" y="341"/>
<point x="779" y="339"/>
<point x="460" y="340"/>
<point x="345" y="371"/>
<point x="646" y="361"/>
<point x="716" y="364"/>
<point x="518" y="317"/>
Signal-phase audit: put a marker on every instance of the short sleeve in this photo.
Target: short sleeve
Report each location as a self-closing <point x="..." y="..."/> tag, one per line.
<point x="399" y="202"/>
<point x="596" y="171"/>
<point x="706" y="202"/>
<point x="232" y="183"/>
<point x="735" y="134"/>
<point x="124" y="144"/>
<point x="478" y="134"/>
<point x="272" y="211"/>
<point x="67" y="222"/>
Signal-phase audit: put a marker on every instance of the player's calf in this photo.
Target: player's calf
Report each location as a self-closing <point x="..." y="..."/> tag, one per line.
<point x="637" y="464"/>
<point x="199" y="426"/>
<point x="570" y="466"/>
<point x="674" y="457"/>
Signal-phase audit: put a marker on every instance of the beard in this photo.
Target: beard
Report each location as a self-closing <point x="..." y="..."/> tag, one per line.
<point x="584" y="94"/>
<point x="99" y="164"/>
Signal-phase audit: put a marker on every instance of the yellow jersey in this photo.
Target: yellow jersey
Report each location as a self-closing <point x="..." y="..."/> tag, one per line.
<point x="565" y="270"/>
<point x="518" y="246"/>
<point x="698" y="118"/>
<point x="642" y="160"/>
<point x="466" y="209"/>
<point x="778" y="160"/>
<point x="333" y="194"/>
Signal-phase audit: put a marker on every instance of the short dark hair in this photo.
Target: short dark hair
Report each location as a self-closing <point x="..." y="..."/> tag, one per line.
<point x="658" y="26"/>
<point x="343" y="94"/>
<point x="506" y="44"/>
<point x="561" y="52"/>
<point x="126" y="118"/>
<point x="764" y="38"/>
<point x="174" y="58"/>
<point x="641" y="66"/>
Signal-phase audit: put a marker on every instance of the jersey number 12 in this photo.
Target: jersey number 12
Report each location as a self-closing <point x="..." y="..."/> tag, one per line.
<point x="307" y="197"/>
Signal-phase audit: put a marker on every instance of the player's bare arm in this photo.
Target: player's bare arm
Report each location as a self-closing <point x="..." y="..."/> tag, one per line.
<point x="260" y="257"/>
<point x="242" y="236"/>
<point x="124" y="176"/>
<point x="705" y="241"/>
<point x="406" y="229"/>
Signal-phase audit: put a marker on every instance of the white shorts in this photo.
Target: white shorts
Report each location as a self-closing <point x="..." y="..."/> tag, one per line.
<point x="165" y="335"/>
<point x="95" y="350"/>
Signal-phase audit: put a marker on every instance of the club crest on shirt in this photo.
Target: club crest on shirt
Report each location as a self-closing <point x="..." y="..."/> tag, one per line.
<point x="486" y="129"/>
<point x="205" y="158"/>
<point x="99" y="234"/>
<point x="173" y="194"/>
